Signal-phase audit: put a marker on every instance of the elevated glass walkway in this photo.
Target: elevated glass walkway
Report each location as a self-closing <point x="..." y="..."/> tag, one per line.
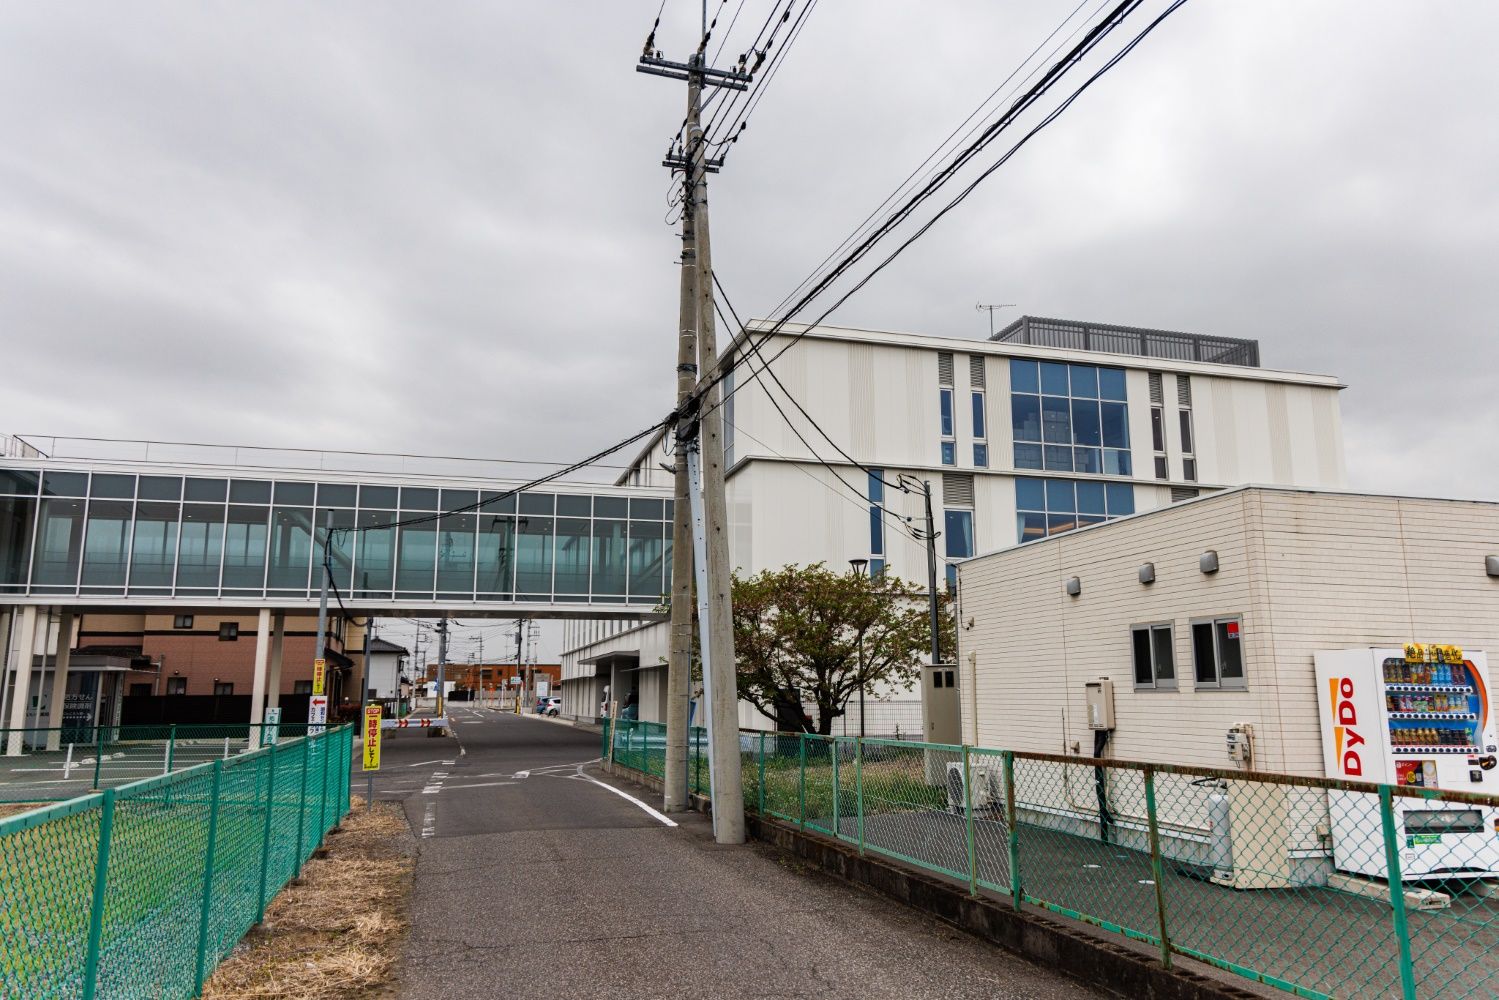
<point x="128" y="533"/>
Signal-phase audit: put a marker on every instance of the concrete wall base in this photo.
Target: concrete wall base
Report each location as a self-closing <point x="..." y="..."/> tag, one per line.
<point x="1035" y="936"/>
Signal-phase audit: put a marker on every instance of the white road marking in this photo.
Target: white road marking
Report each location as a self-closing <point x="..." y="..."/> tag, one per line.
<point x="424" y="763"/>
<point x="429" y="821"/>
<point x="663" y="818"/>
<point x="482" y="784"/>
<point x="447" y="762"/>
<point x="523" y="774"/>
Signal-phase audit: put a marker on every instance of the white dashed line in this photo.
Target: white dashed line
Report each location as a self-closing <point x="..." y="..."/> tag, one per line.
<point x="429" y="821"/>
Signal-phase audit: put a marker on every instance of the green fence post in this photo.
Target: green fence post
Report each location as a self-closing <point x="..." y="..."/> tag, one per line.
<point x="265" y="834"/>
<point x="973" y="867"/>
<point x="98" y="753"/>
<point x="1397" y="893"/>
<point x="859" y="786"/>
<point x="801" y="784"/>
<point x="206" y="911"/>
<point x="101" y="883"/>
<point x="762" y="773"/>
<point x="172" y="748"/>
<point x="302" y="807"/>
<point x="1016" y="893"/>
<point x="837" y="792"/>
<point x="1156" y="868"/>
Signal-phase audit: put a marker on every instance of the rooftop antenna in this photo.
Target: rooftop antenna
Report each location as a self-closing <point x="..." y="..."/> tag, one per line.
<point x="980" y="307"/>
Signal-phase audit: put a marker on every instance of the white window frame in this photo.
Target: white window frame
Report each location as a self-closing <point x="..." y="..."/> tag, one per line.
<point x="1218" y="683"/>
<point x="1156" y="684"/>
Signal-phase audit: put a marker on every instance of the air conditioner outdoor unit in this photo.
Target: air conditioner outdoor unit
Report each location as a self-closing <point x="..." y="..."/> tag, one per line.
<point x="986" y="787"/>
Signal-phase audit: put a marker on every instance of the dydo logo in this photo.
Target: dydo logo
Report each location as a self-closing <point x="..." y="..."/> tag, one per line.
<point x="1346" y="738"/>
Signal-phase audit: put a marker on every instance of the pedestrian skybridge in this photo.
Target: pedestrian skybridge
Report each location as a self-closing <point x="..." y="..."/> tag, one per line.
<point x="132" y="533"/>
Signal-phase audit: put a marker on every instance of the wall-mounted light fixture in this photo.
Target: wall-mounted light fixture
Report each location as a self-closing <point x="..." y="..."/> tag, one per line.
<point x="1147" y="573"/>
<point x="1208" y="561"/>
<point x="1074" y="586"/>
<point x="1491" y="565"/>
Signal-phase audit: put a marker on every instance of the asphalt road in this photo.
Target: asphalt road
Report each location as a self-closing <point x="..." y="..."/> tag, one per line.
<point x="535" y="881"/>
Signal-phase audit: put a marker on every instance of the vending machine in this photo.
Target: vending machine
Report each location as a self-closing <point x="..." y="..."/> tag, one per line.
<point x="1416" y="716"/>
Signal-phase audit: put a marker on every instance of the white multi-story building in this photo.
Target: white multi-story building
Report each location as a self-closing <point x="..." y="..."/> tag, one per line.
<point x="1048" y="426"/>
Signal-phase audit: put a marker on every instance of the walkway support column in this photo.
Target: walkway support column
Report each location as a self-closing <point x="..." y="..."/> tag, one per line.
<point x="20" y="699"/>
<point x="59" y="693"/>
<point x="278" y="643"/>
<point x="262" y="667"/>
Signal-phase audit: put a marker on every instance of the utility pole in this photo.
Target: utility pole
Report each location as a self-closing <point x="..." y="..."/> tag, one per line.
<point x="442" y="665"/>
<point x="320" y="650"/>
<point x="705" y="424"/>
<point x="679" y="661"/>
<point x="520" y="670"/>
<point x="931" y="570"/>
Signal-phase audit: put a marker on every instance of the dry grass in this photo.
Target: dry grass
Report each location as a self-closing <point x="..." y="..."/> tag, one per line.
<point x="11" y="808"/>
<point x="338" y="932"/>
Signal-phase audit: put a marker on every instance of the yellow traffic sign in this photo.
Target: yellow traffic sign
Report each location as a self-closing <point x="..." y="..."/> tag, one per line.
<point x="319" y="673"/>
<point x="372" y="738"/>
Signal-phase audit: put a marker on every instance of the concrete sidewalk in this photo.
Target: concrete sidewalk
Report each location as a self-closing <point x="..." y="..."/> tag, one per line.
<point x="554" y="887"/>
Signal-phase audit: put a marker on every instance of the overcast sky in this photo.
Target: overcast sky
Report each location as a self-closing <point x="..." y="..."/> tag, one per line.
<point x="440" y="228"/>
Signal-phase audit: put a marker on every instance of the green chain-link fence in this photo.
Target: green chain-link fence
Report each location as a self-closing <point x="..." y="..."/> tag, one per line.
<point x="1283" y="880"/>
<point x="53" y="765"/>
<point x="140" y="891"/>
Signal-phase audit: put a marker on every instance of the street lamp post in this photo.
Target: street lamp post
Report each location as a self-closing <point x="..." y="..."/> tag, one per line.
<point x="858" y="569"/>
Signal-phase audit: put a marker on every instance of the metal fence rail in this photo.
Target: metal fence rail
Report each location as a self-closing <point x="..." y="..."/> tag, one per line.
<point x="142" y="889"/>
<point x="53" y="765"/>
<point x="1319" y="887"/>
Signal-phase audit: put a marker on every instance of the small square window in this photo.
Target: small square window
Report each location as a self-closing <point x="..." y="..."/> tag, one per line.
<point x="949" y="453"/>
<point x="222" y="688"/>
<point x="1189" y="469"/>
<point x="140" y="690"/>
<point x="301" y="687"/>
<point x="182" y="621"/>
<point x="228" y="631"/>
<point x="176" y="685"/>
<point x="1154" y="656"/>
<point x="981" y="456"/>
<point x="1217" y="656"/>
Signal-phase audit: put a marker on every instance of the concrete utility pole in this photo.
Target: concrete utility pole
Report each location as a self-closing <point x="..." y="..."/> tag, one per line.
<point x="520" y="669"/>
<point x="679" y="662"/>
<point x="931" y="570"/>
<point x="705" y="423"/>
<point x="442" y="665"/>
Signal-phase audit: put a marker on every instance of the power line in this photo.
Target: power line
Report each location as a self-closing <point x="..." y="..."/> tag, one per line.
<point x="1052" y="76"/>
<point x="742" y="121"/>
<point x="935" y="153"/>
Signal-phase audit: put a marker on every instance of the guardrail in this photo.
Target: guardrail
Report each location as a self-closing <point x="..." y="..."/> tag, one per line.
<point x="1319" y="887"/>
<point x="142" y="889"/>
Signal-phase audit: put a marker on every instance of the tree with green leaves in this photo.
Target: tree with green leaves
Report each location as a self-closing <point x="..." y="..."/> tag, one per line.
<point x="798" y="632"/>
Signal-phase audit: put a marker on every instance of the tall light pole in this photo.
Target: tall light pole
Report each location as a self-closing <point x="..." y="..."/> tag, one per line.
<point x="858" y="568"/>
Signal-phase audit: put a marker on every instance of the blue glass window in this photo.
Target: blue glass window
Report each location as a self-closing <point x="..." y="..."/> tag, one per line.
<point x="978" y="415"/>
<point x="1111" y="383"/>
<point x="952" y="577"/>
<point x="1024" y="377"/>
<point x="877" y="485"/>
<point x="981" y="455"/>
<point x="1076" y="411"/>
<point x="1084" y="381"/>
<point x="958" y="531"/>
<point x="876" y="567"/>
<point x="1049" y="506"/>
<point x="949" y="453"/>
<point x="876" y="531"/>
<point x="947" y="413"/>
<point x="1025" y="413"/>
<point x="1054" y="381"/>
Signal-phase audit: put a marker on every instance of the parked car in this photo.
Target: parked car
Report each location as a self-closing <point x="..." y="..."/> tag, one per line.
<point x="550" y="705"/>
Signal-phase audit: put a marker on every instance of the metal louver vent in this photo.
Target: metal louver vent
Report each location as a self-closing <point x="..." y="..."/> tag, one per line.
<point x="1156" y="393"/>
<point x="1180" y="493"/>
<point x="976" y="370"/>
<point x="944" y="368"/>
<point x="957" y="489"/>
<point x="1183" y="390"/>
